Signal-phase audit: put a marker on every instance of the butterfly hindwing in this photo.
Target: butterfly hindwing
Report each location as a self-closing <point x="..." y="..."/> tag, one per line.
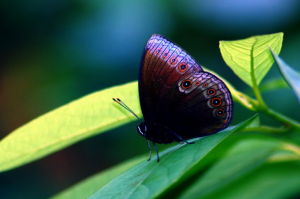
<point x="177" y="97"/>
<point x="204" y="106"/>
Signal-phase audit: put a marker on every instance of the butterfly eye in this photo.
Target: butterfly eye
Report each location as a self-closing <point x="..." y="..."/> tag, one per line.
<point x="211" y="91"/>
<point x="220" y="112"/>
<point x="173" y="61"/>
<point x="182" y="67"/>
<point x="216" y="101"/>
<point x="186" y="84"/>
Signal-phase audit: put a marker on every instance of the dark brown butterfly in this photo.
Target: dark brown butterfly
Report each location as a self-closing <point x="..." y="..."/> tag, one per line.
<point x="179" y="100"/>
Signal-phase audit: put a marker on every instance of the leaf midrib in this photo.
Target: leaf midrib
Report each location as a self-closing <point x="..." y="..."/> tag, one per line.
<point x="252" y="73"/>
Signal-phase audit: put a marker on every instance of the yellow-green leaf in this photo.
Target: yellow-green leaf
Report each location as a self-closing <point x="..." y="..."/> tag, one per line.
<point x="75" y="121"/>
<point x="250" y="58"/>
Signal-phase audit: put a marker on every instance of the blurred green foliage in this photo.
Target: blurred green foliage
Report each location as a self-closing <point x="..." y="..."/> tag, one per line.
<point x="53" y="52"/>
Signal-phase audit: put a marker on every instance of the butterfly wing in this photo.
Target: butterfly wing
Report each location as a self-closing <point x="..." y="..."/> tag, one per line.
<point x="204" y="106"/>
<point x="173" y="94"/>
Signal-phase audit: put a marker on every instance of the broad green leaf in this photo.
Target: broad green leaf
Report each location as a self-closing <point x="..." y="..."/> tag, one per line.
<point x="150" y="179"/>
<point x="291" y="76"/>
<point x="250" y="58"/>
<point x="75" y="121"/>
<point x="273" y="84"/>
<point x="243" y="158"/>
<point x="271" y="181"/>
<point x="92" y="184"/>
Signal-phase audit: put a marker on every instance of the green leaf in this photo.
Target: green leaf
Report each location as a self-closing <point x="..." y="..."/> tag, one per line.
<point x="150" y="179"/>
<point x="92" y="184"/>
<point x="271" y="181"/>
<point x="78" y="120"/>
<point x="250" y="58"/>
<point x="246" y="156"/>
<point x="291" y="76"/>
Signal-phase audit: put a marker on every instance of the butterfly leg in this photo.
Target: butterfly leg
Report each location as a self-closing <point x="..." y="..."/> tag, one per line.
<point x="157" y="153"/>
<point x="150" y="150"/>
<point x="181" y="139"/>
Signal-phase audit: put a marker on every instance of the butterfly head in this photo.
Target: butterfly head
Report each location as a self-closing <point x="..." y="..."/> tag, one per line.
<point x="142" y="129"/>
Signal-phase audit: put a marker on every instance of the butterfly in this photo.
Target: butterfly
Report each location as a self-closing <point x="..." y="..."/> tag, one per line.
<point x="179" y="100"/>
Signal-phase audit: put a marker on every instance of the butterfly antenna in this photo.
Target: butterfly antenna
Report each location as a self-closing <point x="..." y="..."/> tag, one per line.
<point x="121" y="103"/>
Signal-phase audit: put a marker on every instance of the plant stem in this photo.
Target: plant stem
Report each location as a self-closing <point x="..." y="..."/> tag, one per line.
<point x="292" y="147"/>
<point x="286" y="157"/>
<point x="266" y="129"/>
<point x="245" y="100"/>
<point x="284" y="119"/>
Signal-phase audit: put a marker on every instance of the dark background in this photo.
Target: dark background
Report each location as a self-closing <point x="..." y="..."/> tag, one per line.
<point x="55" y="51"/>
